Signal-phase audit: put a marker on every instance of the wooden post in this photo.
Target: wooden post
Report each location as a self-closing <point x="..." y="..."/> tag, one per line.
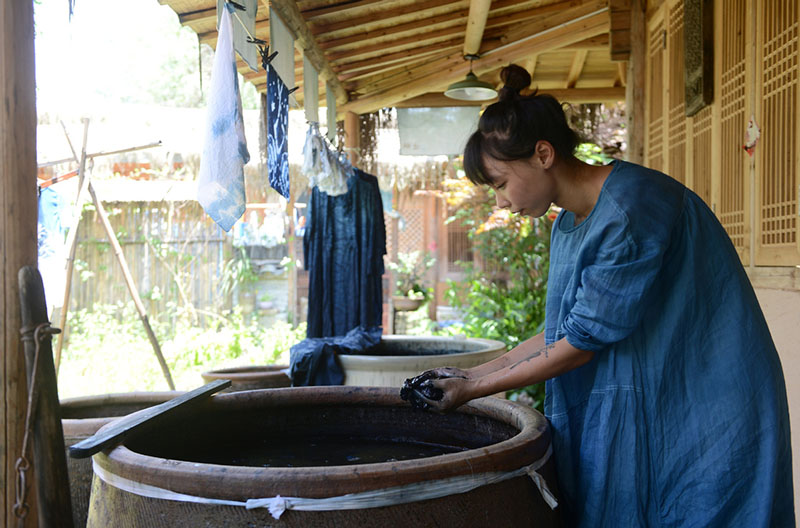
<point x="18" y="219"/>
<point x="45" y="447"/>
<point x="634" y="89"/>
<point x="352" y="138"/>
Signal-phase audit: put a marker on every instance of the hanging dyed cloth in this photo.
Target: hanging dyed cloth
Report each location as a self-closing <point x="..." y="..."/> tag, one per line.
<point x="344" y="244"/>
<point x="277" y="137"/>
<point x="220" y="185"/>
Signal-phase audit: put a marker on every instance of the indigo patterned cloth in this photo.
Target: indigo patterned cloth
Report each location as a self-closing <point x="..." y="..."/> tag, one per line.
<point x="344" y="245"/>
<point x="220" y="186"/>
<point x="313" y="361"/>
<point x="277" y="138"/>
<point x="681" y="417"/>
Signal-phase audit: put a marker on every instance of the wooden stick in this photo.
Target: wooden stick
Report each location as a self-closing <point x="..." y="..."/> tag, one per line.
<point x="72" y="238"/>
<point x="116" y="432"/>
<point x="47" y="440"/>
<point x="99" y="154"/>
<point x="101" y="212"/>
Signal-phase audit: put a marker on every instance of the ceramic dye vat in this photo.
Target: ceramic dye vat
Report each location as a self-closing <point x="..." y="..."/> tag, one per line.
<point x="399" y="357"/>
<point x="251" y="377"/>
<point x="218" y="450"/>
<point x="80" y="419"/>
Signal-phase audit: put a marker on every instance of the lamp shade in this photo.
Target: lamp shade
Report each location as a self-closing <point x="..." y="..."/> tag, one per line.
<point x="471" y="89"/>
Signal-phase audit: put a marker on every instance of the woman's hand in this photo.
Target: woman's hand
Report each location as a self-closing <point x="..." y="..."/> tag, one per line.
<point x="456" y="391"/>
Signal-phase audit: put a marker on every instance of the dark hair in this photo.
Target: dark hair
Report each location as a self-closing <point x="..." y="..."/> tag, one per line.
<point x="509" y="129"/>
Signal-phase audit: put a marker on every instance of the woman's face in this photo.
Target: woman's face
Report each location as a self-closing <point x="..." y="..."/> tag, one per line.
<point x="523" y="186"/>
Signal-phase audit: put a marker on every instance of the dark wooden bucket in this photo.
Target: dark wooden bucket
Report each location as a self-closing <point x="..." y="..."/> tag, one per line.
<point x="194" y="454"/>
<point x="80" y="419"/>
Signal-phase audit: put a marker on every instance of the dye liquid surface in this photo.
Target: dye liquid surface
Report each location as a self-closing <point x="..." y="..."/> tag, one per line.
<point x="312" y="452"/>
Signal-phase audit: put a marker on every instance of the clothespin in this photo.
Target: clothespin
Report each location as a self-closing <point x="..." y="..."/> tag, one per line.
<point x="266" y="58"/>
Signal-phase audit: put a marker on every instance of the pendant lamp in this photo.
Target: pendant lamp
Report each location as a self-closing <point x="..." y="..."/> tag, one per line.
<point x="471" y="88"/>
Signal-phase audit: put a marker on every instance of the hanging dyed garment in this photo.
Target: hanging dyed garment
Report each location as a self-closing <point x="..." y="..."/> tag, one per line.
<point x="277" y="137"/>
<point x="220" y="185"/>
<point x="344" y="245"/>
<point x="321" y="164"/>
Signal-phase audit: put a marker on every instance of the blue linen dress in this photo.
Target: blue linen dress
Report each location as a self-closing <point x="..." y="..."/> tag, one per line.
<point x="681" y="417"/>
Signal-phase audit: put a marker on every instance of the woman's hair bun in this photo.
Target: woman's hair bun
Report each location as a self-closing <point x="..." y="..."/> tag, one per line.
<point x="515" y="79"/>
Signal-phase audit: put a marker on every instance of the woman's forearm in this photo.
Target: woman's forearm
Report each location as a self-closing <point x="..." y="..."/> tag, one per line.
<point x="529" y="363"/>
<point x="509" y="358"/>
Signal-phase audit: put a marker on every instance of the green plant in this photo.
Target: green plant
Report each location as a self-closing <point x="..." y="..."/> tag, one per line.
<point x="237" y="272"/>
<point x="108" y="349"/>
<point x="503" y="294"/>
<point x="409" y="271"/>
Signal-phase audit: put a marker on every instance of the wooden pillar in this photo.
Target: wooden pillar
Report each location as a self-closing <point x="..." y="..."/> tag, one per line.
<point x="352" y="138"/>
<point x="634" y="89"/>
<point x="18" y="212"/>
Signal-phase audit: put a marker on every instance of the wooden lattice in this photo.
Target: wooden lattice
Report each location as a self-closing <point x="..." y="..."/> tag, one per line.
<point x="412" y="236"/>
<point x="731" y="206"/>
<point x="778" y="150"/>
<point x="655" y="119"/>
<point x="676" y="112"/>
<point x="701" y="148"/>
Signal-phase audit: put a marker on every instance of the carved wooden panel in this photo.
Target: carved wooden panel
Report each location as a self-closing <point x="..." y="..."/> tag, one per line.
<point x="699" y="56"/>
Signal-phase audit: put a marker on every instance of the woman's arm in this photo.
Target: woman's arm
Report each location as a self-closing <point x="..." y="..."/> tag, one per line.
<point x="530" y="362"/>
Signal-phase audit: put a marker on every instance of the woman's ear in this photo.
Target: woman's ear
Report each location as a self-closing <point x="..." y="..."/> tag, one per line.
<point x="545" y="154"/>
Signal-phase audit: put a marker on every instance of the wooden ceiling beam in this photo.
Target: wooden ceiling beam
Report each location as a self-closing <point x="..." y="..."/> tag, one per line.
<point x="555" y="16"/>
<point x="456" y="18"/>
<point x="598" y="43"/>
<point x="384" y="16"/>
<point x="387" y="79"/>
<point x="619" y="12"/>
<point x="588" y="95"/>
<point x="391" y="58"/>
<point x="289" y="12"/>
<point x="582" y="23"/>
<point x="388" y="45"/>
<point x="575" y="69"/>
<point x="316" y="12"/>
<point x="476" y="24"/>
<point x="201" y="15"/>
<point x="210" y="37"/>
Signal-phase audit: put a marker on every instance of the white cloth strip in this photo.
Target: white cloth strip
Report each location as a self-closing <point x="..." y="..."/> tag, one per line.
<point x="418" y="491"/>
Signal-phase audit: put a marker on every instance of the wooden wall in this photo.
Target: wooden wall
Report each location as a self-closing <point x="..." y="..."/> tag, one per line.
<point x="755" y="75"/>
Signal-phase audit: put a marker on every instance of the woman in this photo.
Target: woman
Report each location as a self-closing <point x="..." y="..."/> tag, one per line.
<point x="665" y="393"/>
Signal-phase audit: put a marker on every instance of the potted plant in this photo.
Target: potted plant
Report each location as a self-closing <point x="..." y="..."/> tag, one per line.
<point x="410" y="291"/>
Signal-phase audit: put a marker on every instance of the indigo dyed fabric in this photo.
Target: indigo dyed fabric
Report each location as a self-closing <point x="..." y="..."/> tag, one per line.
<point x="344" y="244"/>
<point x="313" y="361"/>
<point x="680" y="418"/>
<point x="277" y="136"/>
<point x="220" y="185"/>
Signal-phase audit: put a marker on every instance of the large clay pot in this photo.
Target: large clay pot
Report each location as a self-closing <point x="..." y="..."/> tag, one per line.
<point x="251" y="377"/>
<point x="261" y="444"/>
<point x="399" y="357"/>
<point x="80" y="419"/>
